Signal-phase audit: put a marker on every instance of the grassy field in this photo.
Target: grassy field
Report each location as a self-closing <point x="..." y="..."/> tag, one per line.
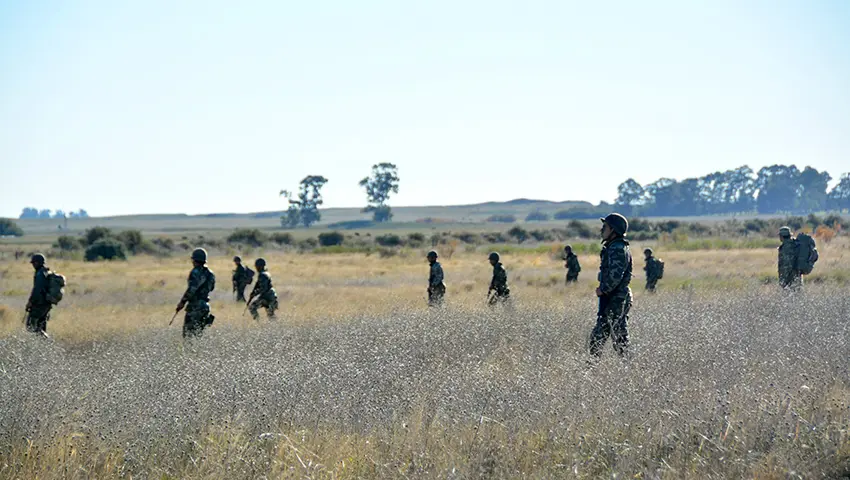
<point x="357" y="378"/>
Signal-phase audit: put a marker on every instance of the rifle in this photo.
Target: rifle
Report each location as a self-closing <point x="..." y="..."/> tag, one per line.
<point x="248" y="304"/>
<point x="172" y="318"/>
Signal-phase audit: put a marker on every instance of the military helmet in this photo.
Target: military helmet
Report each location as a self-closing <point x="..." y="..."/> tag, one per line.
<point x="647" y="251"/>
<point x="237" y="258"/>
<point x="568" y="248"/>
<point x="617" y="222"/>
<point x="37" y="257"/>
<point x="260" y="262"/>
<point x="493" y="256"/>
<point x="432" y="253"/>
<point x="199" y="255"/>
<point x="785" y="232"/>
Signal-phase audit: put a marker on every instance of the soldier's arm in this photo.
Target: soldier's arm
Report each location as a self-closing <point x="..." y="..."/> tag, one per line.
<point x="196" y="279"/>
<point x="613" y="275"/>
<point x="437" y="277"/>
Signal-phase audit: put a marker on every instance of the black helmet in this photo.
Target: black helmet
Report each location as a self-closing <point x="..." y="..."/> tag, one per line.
<point x="237" y="258"/>
<point x="785" y="232"/>
<point x="432" y="253"/>
<point x="199" y="255"/>
<point x="568" y="248"/>
<point x="260" y="262"/>
<point x="617" y="222"/>
<point x="37" y="258"/>
<point x="647" y="251"/>
<point x="494" y="256"/>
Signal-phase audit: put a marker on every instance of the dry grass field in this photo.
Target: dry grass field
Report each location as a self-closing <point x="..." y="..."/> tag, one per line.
<point x="356" y="378"/>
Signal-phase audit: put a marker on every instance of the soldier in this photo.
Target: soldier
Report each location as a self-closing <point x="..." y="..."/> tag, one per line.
<point x="436" y="285"/>
<point x="615" y="296"/>
<point x="572" y="265"/>
<point x="197" y="297"/>
<point x="240" y="279"/>
<point x="38" y="306"/>
<point x="652" y="269"/>
<point x="789" y="275"/>
<point x="499" y="283"/>
<point x="263" y="291"/>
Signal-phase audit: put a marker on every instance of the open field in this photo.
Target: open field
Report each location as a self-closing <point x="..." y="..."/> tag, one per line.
<point x="357" y="378"/>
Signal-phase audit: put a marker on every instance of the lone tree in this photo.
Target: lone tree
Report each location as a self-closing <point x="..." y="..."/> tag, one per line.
<point x="304" y="210"/>
<point x="379" y="186"/>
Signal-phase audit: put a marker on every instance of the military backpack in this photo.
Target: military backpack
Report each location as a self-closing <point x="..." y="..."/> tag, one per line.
<point x="55" y="287"/>
<point x="249" y="275"/>
<point x="807" y="253"/>
<point x="659" y="267"/>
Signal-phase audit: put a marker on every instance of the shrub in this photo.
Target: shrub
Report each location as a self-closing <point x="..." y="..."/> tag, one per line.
<point x="282" y="238"/>
<point x="501" y="219"/>
<point x="105" y="249"/>
<point x="832" y="220"/>
<point x="66" y="243"/>
<point x="389" y="240"/>
<point x="94" y="234"/>
<point x="247" y="236"/>
<point x="416" y="239"/>
<point x="468" y="238"/>
<point x="497" y="237"/>
<point x="10" y="228"/>
<point x="164" y="243"/>
<point x="542" y="235"/>
<point x="308" y="243"/>
<point x="537" y="216"/>
<point x="329" y="239"/>
<point x="577" y="228"/>
<point x="518" y="233"/>
<point x="640" y="225"/>
<point x="351" y="225"/>
<point x="699" y="228"/>
<point x="132" y="240"/>
<point x="668" y="226"/>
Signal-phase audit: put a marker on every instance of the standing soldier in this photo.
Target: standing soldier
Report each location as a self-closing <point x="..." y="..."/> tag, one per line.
<point x="38" y="306"/>
<point x="436" y="284"/>
<point x="572" y="265"/>
<point x="241" y="279"/>
<point x="789" y="275"/>
<point x="263" y="291"/>
<point x="197" y="297"/>
<point x="654" y="270"/>
<point x="615" y="296"/>
<point x="499" y="283"/>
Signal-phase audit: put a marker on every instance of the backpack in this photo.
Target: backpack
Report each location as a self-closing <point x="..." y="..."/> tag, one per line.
<point x="659" y="266"/>
<point x="55" y="287"/>
<point x="249" y="275"/>
<point x="807" y="253"/>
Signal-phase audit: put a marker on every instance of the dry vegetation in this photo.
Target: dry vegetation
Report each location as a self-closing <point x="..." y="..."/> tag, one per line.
<point x="729" y="377"/>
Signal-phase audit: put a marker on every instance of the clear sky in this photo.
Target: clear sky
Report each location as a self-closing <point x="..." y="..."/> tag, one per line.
<point x="215" y="106"/>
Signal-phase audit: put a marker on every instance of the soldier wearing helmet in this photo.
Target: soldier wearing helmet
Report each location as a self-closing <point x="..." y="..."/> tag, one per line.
<point x="615" y="296"/>
<point x="654" y="270"/>
<point x="242" y="277"/>
<point x="436" y="281"/>
<point x="572" y="265"/>
<point x="789" y="275"/>
<point x="38" y="306"/>
<point x="263" y="291"/>
<point x="499" y="283"/>
<point x="196" y="299"/>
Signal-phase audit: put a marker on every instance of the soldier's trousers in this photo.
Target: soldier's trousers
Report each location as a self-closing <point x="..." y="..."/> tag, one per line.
<point x="270" y="304"/>
<point x="37" y="318"/>
<point x="197" y="318"/>
<point x="793" y="281"/>
<point x="240" y="291"/>
<point x="572" y="278"/>
<point x="651" y="284"/>
<point x="612" y="320"/>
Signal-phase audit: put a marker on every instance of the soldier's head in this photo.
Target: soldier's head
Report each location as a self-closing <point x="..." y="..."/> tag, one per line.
<point x="785" y="233"/>
<point x="568" y="249"/>
<point x="614" y="225"/>
<point x="647" y="252"/>
<point x="37" y="261"/>
<point x="494" y="258"/>
<point x="432" y="256"/>
<point x="237" y="260"/>
<point x="199" y="257"/>
<point x="260" y="263"/>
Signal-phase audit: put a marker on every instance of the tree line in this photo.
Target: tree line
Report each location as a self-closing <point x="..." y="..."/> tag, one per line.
<point x="30" y="212"/>
<point x="773" y="189"/>
<point x="304" y="205"/>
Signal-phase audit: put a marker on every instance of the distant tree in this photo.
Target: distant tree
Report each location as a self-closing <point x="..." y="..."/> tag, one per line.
<point x="383" y="182"/>
<point x="59" y="214"/>
<point x="811" y="191"/>
<point x="9" y="228"/>
<point x="44" y="213"/>
<point x="839" y="196"/>
<point x="29" y="212"/>
<point x="329" y="239"/>
<point x="537" y="216"/>
<point x="67" y="243"/>
<point x="777" y="186"/>
<point x="501" y="218"/>
<point x="79" y="214"/>
<point x="630" y="194"/>
<point x="96" y="233"/>
<point x="305" y="209"/>
<point x="105" y="249"/>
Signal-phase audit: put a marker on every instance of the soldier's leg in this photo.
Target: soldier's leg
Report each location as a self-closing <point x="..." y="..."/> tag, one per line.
<point x="599" y="334"/>
<point x="620" y="328"/>
<point x="193" y="323"/>
<point x="240" y="292"/>
<point x="255" y="307"/>
<point x="37" y="319"/>
<point x="272" y="308"/>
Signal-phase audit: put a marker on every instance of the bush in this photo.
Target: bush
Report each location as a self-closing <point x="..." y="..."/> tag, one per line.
<point x="497" y="237"/>
<point x="94" y="234"/>
<point x="308" y="243"/>
<point x="518" y="233"/>
<point x="164" y="243"/>
<point x="468" y="238"/>
<point x="542" y="235"/>
<point x="832" y="220"/>
<point x="248" y="236"/>
<point x="640" y="225"/>
<point x="537" y="216"/>
<point x="329" y="239"/>
<point x="577" y="228"/>
<point x="501" y="218"/>
<point x="282" y="238"/>
<point x="10" y="228"/>
<point x="416" y="240"/>
<point x="67" y="243"/>
<point x="389" y="240"/>
<point x="351" y="225"/>
<point x="133" y="240"/>
<point x="105" y="249"/>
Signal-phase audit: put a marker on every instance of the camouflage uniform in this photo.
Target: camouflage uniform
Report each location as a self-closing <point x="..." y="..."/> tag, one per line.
<point x="789" y="276"/>
<point x="652" y="271"/>
<point x="240" y="282"/>
<point x="615" y="274"/>
<point x="499" y="284"/>
<point x="573" y="267"/>
<point x="265" y="295"/>
<point x="197" y="297"/>
<point x="436" y="286"/>
<point x="39" y="306"/>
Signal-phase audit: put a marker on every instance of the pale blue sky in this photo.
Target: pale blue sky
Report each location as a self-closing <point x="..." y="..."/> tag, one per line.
<point x="212" y="106"/>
